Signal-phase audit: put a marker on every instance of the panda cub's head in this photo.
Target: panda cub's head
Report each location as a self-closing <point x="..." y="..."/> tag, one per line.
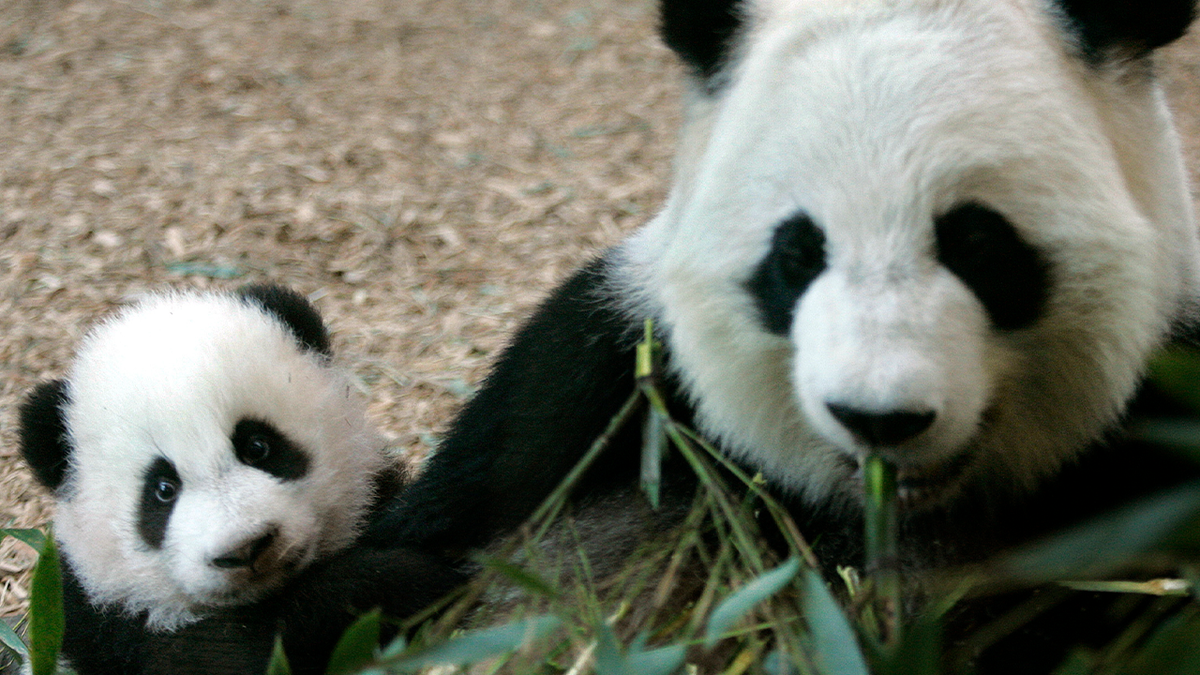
<point x="202" y="449"/>
<point x="948" y="231"/>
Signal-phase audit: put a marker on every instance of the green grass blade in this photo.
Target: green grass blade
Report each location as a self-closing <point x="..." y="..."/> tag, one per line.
<point x="356" y="648"/>
<point x="835" y="646"/>
<point x="746" y="598"/>
<point x="46" y="611"/>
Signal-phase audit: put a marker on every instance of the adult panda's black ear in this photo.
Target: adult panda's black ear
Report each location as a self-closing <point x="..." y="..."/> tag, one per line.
<point x="701" y="32"/>
<point x="43" y="432"/>
<point x="1108" y="29"/>
<point x="295" y="312"/>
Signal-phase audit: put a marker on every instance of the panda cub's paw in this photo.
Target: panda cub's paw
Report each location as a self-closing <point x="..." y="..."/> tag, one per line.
<point x="203" y="450"/>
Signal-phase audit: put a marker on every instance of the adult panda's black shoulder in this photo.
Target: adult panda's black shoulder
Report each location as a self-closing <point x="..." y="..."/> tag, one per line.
<point x="204" y="451"/>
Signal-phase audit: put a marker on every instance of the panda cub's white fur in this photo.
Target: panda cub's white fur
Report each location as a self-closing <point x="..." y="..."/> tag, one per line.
<point x="169" y="379"/>
<point x="875" y="119"/>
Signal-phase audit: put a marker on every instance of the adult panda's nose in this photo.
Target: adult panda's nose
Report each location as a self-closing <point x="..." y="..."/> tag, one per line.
<point x="248" y="552"/>
<point x="881" y="429"/>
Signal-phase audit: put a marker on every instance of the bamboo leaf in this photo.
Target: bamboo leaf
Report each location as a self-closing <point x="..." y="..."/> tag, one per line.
<point x="46" y="611"/>
<point x="1176" y="372"/>
<point x="356" y="648"/>
<point x="394" y="648"/>
<point x="33" y="537"/>
<point x="835" y="646"/>
<point x="279" y="663"/>
<point x="10" y="639"/>
<point x="476" y="645"/>
<point x="1174" y="649"/>
<point x="1106" y="544"/>
<point x="742" y="601"/>
<point x="917" y="651"/>
<point x="520" y="576"/>
<point x="612" y="660"/>
<point x="1176" y="433"/>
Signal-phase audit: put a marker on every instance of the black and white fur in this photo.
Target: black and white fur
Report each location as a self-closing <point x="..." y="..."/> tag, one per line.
<point x="950" y="231"/>
<point x="203" y="450"/>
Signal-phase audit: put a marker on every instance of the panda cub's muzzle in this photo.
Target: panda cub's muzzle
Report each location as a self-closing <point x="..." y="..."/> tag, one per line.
<point x="248" y="555"/>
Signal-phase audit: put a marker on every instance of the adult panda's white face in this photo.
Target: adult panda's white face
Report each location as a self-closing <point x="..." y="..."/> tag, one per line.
<point x="949" y="231"/>
<point x="207" y="455"/>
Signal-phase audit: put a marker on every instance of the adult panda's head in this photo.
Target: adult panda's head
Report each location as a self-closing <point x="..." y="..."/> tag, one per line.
<point x="202" y="449"/>
<point x="947" y="230"/>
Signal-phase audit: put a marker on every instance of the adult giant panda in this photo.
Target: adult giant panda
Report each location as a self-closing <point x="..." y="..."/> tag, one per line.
<point x="204" y="450"/>
<point x="949" y="231"/>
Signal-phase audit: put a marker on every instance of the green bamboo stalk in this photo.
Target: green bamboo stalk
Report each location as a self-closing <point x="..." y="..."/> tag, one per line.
<point x="879" y="478"/>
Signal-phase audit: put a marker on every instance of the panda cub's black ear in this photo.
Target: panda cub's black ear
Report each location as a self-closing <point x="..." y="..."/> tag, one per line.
<point x="295" y="312"/>
<point x="1126" y="28"/>
<point x="702" y="33"/>
<point x="43" y="432"/>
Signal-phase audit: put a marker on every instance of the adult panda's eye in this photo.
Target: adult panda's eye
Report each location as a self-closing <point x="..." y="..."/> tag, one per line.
<point x="166" y="491"/>
<point x="983" y="249"/>
<point x="257" y="450"/>
<point x="796" y="258"/>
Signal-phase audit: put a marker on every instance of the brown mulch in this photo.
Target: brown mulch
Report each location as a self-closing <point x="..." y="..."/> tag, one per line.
<point x="424" y="169"/>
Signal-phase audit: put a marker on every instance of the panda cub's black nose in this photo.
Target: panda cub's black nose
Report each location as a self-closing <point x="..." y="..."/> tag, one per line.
<point x="246" y="554"/>
<point x="881" y="430"/>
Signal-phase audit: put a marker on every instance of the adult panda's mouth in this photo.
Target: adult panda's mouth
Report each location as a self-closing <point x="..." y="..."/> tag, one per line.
<point x="923" y="486"/>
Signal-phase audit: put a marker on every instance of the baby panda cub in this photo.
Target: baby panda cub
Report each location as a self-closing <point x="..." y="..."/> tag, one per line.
<point x="203" y="451"/>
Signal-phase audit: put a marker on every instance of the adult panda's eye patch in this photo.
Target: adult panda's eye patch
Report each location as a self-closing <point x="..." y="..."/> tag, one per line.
<point x="160" y="488"/>
<point x="797" y="256"/>
<point x="1008" y="275"/>
<point x="260" y="445"/>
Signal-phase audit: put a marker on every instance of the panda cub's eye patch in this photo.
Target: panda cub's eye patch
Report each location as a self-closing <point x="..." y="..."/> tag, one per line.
<point x="796" y="258"/>
<point x="260" y="445"/>
<point x="160" y="488"/>
<point x="1006" y="273"/>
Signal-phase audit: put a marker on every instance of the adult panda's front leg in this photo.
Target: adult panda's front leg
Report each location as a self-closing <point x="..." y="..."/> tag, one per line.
<point x="564" y="376"/>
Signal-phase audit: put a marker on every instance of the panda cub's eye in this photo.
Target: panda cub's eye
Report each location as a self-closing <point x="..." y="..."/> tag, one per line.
<point x="259" y="444"/>
<point x="161" y="486"/>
